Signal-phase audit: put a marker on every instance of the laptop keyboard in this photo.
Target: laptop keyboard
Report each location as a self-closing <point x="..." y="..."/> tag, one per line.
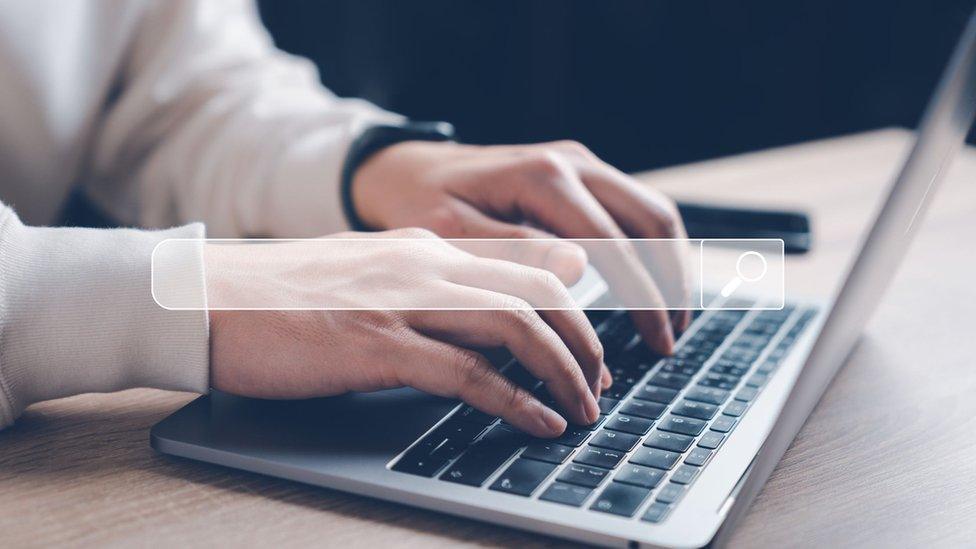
<point x="661" y="421"/>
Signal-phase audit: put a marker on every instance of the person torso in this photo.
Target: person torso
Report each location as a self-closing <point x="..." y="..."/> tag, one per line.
<point x="59" y="61"/>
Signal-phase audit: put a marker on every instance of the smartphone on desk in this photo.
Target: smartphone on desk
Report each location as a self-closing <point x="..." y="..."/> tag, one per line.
<point x="709" y="221"/>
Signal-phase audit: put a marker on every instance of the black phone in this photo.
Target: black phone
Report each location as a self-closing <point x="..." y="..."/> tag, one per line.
<point x="709" y="221"/>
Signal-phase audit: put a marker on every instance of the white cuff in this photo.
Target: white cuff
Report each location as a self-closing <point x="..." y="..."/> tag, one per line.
<point x="77" y="315"/>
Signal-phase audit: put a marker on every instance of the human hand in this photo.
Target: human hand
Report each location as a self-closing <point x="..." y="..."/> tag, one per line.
<point x="533" y="191"/>
<point x="311" y="353"/>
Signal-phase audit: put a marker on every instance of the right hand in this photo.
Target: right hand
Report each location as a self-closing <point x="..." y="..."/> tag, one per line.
<point x="313" y="353"/>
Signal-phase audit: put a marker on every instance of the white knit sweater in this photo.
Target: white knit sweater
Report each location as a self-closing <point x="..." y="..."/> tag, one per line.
<point x="169" y="112"/>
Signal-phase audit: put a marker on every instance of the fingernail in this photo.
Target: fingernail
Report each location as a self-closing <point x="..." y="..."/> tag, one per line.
<point x="553" y="422"/>
<point x="590" y="410"/>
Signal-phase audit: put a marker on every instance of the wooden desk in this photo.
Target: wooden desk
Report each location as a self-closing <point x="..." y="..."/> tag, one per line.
<point x="887" y="459"/>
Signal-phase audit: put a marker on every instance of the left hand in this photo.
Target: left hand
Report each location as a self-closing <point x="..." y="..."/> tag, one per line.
<point x="526" y="191"/>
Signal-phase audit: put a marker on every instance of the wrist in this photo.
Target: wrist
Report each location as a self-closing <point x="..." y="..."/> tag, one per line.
<point x="388" y="174"/>
<point x="373" y="141"/>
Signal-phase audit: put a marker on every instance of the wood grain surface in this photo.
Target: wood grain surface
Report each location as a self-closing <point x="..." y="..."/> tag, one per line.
<point x="887" y="459"/>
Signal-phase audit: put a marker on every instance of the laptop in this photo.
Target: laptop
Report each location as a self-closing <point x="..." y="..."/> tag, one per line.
<point x="683" y="444"/>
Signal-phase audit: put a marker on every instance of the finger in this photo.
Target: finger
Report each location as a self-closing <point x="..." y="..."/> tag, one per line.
<point x="558" y="201"/>
<point x="449" y="371"/>
<point x="519" y="243"/>
<point x="533" y="343"/>
<point x="606" y="378"/>
<point x="553" y="302"/>
<point x="644" y="213"/>
<point x="640" y="212"/>
<point x="681" y="319"/>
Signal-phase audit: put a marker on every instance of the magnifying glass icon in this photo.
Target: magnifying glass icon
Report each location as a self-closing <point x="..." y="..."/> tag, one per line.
<point x="737" y="281"/>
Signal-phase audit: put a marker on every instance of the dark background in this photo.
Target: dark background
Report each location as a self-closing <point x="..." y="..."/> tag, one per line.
<point x="644" y="83"/>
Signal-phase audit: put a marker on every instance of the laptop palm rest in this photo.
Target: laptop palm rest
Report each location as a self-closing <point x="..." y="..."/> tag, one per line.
<point x="328" y="434"/>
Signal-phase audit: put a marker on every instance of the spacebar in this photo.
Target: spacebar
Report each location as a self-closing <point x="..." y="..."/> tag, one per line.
<point x="485" y="457"/>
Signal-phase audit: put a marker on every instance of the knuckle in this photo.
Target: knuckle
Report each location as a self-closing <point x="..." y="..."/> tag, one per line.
<point x="548" y="166"/>
<point x="517" y="313"/>
<point x="573" y="147"/>
<point x="471" y="373"/>
<point x="516" y="399"/>
<point x="669" y="222"/>
<point x="444" y="220"/>
<point x="548" y="281"/>
<point x="548" y="290"/>
<point x="593" y="349"/>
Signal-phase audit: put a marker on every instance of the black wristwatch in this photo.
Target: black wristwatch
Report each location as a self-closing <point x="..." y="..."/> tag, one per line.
<point x="376" y="138"/>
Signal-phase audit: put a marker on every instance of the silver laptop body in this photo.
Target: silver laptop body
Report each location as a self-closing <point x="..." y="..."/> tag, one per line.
<point x="368" y="443"/>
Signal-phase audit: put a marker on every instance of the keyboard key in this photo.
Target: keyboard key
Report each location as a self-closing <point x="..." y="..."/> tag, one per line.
<point x="669" y="441"/>
<point x="592" y="426"/>
<point x="420" y="463"/>
<point x="657" y="512"/>
<point x="698" y="410"/>
<point x="630" y="424"/>
<point x="698" y="456"/>
<point x="644" y="409"/>
<point x="723" y="424"/>
<point x="746" y="394"/>
<point x="655" y="457"/>
<point x="671" y="493"/>
<point x="681" y="366"/>
<point x="485" y="457"/>
<point x="615" y="441"/>
<point x="599" y="457"/>
<point x="453" y="437"/>
<point x="670" y="381"/>
<point x="757" y="380"/>
<point x="573" y="436"/>
<point x="616" y="334"/>
<point x="657" y="394"/>
<point x="547" y="451"/>
<point x="583" y="475"/>
<point x="719" y="381"/>
<point x="711" y="440"/>
<point x="523" y="476"/>
<point x="685" y="474"/>
<point x="467" y="413"/>
<point x="616" y="392"/>
<point x="567" y="494"/>
<point x="607" y="404"/>
<point x="624" y="376"/>
<point x="682" y="425"/>
<point x="443" y="444"/>
<point x="710" y="395"/>
<point x="637" y="475"/>
<point x="735" y="408"/>
<point x="620" y="499"/>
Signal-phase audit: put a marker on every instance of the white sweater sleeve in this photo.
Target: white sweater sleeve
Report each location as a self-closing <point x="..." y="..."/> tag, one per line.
<point x="77" y="315"/>
<point x="212" y="123"/>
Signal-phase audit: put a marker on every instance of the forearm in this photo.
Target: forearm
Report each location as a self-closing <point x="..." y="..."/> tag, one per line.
<point x="213" y="123"/>
<point x="77" y="315"/>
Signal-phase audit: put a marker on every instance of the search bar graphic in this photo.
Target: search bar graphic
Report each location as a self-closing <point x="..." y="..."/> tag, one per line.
<point x="750" y="272"/>
<point x="362" y="271"/>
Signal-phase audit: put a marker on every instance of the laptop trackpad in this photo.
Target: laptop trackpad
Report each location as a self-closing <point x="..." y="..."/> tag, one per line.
<point x="358" y="425"/>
